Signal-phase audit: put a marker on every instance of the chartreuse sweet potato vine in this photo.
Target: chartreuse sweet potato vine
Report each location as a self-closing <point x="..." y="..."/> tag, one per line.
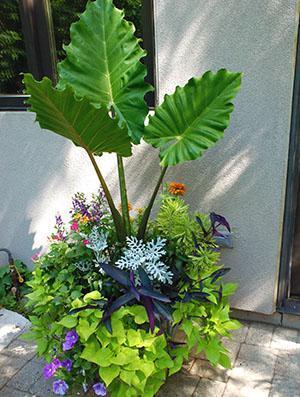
<point x="110" y="296"/>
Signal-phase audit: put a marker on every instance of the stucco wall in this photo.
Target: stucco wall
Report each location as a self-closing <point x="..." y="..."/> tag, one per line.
<point x="40" y="171"/>
<point x="244" y="176"/>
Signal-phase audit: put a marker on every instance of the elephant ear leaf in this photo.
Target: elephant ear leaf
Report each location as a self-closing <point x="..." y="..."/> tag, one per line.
<point x="76" y="119"/>
<point x="103" y="64"/>
<point x="194" y="118"/>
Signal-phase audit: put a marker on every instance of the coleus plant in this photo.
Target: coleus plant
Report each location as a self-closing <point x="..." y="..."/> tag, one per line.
<point x="99" y="103"/>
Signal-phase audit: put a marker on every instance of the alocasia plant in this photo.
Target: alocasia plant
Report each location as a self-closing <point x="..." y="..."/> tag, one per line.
<point x="99" y="103"/>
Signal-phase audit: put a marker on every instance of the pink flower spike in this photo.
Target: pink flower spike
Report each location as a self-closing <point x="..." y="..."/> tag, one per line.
<point x="74" y="226"/>
<point x="86" y="242"/>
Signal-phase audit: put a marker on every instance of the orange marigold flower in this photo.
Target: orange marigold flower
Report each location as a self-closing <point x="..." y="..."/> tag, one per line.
<point x="84" y="219"/>
<point x="177" y="189"/>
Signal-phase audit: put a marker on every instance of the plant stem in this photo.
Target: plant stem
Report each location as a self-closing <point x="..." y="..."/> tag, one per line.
<point x="114" y="212"/>
<point x="146" y="215"/>
<point x="123" y="194"/>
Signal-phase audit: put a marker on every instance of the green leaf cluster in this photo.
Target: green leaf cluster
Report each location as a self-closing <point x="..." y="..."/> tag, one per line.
<point x="10" y="298"/>
<point x="131" y="361"/>
<point x="175" y="222"/>
<point x="204" y="325"/>
<point x="55" y="284"/>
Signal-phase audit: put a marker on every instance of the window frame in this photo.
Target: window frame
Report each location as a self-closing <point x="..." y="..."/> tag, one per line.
<point x="286" y="303"/>
<point x="39" y="40"/>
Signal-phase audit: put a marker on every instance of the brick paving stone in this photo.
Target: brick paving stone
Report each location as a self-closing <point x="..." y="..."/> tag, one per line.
<point x="209" y="388"/>
<point x="239" y="335"/>
<point x="9" y="392"/>
<point x="232" y="347"/>
<point x="11" y="326"/>
<point x="203" y="369"/>
<point x="27" y="376"/>
<point x="42" y="388"/>
<point x="285" y="339"/>
<point x="254" y="363"/>
<point x="284" y="388"/>
<point x="260" y="334"/>
<point x="288" y="365"/>
<point x="9" y="366"/>
<point x="19" y="349"/>
<point x="246" y="388"/>
<point x="179" y="385"/>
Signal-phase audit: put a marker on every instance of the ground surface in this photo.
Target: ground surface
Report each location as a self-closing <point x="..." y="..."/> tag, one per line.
<point x="266" y="363"/>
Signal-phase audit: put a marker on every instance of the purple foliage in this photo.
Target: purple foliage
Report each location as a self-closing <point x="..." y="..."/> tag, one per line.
<point x="216" y="222"/>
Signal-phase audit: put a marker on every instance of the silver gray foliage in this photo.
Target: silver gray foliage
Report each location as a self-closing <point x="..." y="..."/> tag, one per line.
<point x="148" y="256"/>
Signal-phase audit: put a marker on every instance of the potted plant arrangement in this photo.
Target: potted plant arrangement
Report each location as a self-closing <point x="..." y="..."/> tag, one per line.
<point x="115" y="286"/>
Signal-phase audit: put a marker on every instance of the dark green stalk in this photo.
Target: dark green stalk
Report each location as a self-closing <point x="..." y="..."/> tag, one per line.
<point x="146" y="215"/>
<point x="123" y="194"/>
<point x="114" y="212"/>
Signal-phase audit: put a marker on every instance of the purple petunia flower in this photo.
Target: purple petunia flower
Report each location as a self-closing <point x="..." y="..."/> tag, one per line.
<point x="99" y="389"/>
<point x="60" y="387"/>
<point x="67" y="364"/>
<point x="56" y="363"/>
<point x="70" y="340"/>
<point x="49" y="371"/>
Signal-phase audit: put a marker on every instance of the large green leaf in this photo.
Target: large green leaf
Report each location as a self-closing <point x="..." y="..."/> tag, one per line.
<point x="76" y="119"/>
<point x="194" y="117"/>
<point x="103" y="64"/>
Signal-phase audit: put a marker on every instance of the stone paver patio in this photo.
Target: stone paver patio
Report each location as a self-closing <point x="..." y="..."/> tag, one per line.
<point x="266" y="363"/>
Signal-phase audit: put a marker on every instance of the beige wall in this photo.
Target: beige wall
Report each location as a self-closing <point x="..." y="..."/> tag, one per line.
<point x="244" y="176"/>
<point x="40" y="171"/>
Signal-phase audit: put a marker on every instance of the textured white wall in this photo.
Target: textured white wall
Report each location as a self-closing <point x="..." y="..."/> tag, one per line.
<point x="244" y="176"/>
<point x="40" y="171"/>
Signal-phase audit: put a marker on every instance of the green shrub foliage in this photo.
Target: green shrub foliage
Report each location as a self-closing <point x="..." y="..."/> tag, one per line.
<point x="69" y="292"/>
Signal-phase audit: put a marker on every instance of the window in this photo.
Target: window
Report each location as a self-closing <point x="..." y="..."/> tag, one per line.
<point x="12" y="49"/>
<point x="28" y="41"/>
<point x="289" y="281"/>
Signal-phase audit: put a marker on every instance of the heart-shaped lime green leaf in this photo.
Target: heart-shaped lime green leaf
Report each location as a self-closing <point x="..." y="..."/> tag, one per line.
<point x="76" y="119"/>
<point x="103" y="64"/>
<point x="194" y="118"/>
